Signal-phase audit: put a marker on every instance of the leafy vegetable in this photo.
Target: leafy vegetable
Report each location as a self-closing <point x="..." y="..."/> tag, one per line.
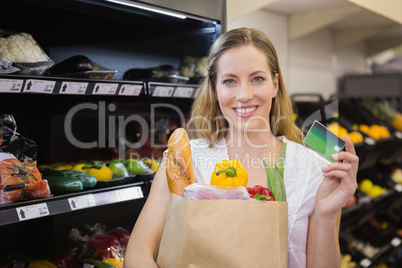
<point x="275" y="180"/>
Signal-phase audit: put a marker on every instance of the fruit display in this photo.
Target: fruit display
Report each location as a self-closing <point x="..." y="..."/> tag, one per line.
<point x="382" y="109"/>
<point x="64" y="178"/>
<point x="346" y="261"/>
<point x="396" y="175"/>
<point x="354" y="135"/>
<point x="93" y="246"/>
<point x="375" y="131"/>
<point x="369" y="188"/>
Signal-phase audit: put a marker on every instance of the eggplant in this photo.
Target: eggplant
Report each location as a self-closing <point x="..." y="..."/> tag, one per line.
<point x="72" y="65"/>
<point x="162" y="73"/>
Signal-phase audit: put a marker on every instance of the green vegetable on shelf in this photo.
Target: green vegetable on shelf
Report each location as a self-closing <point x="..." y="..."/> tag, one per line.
<point x="118" y="169"/>
<point x="137" y="167"/>
<point x="87" y="180"/>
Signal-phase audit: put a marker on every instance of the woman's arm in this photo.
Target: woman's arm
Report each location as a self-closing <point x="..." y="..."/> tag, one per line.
<point x="338" y="186"/>
<point x="323" y="242"/>
<point x="143" y="246"/>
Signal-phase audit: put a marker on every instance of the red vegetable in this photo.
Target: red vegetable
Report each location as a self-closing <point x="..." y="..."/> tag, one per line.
<point x="261" y="193"/>
<point x="104" y="246"/>
<point x="64" y="260"/>
<point x="122" y="234"/>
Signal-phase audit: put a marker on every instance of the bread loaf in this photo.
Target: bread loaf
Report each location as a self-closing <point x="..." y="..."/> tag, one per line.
<point x="179" y="168"/>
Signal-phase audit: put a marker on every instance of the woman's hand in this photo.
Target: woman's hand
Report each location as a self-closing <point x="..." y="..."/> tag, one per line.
<point x="339" y="182"/>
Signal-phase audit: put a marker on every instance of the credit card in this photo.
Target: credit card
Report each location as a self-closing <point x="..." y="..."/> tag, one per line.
<point x="323" y="141"/>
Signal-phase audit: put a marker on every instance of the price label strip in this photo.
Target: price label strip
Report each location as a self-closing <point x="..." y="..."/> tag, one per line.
<point x="39" y="86"/>
<point x="129" y="193"/>
<point x="183" y="92"/>
<point x="11" y="85"/>
<point x="130" y="90"/>
<point x="196" y="92"/>
<point x="32" y="212"/>
<point x="396" y="241"/>
<point x="105" y="89"/>
<point x="73" y="88"/>
<point x="161" y="91"/>
<point x="398" y="187"/>
<point x="82" y="201"/>
<point x="365" y="262"/>
<point x="369" y="141"/>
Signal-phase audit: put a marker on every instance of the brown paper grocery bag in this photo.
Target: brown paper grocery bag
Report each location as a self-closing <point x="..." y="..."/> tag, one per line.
<point x="224" y="233"/>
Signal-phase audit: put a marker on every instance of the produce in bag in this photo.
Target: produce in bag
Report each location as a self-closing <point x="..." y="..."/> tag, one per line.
<point x="80" y="66"/>
<point x="200" y="191"/>
<point x="162" y="73"/>
<point x="98" y="245"/>
<point x="194" y="229"/>
<point x="19" y="52"/>
<point x="20" y="181"/>
<point x="20" y="177"/>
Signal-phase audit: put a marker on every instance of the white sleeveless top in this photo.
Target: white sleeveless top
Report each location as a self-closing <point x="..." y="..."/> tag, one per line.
<point x="302" y="175"/>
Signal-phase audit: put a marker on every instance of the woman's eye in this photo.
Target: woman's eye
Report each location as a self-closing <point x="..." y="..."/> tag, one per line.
<point x="258" y="79"/>
<point x="228" y="81"/>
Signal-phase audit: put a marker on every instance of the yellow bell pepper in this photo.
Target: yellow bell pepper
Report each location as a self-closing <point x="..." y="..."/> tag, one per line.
<point x="229" y="173"/>
<point x="41" y="264"/>
<point x="118" y="262"/>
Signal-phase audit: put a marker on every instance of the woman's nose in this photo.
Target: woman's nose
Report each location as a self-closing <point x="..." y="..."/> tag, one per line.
<point x="244" y="94"/>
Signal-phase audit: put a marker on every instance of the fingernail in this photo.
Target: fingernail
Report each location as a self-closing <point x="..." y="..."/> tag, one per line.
<point x="335" y="156"/>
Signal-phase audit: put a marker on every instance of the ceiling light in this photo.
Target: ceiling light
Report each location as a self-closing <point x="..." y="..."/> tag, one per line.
<point x="146" y="7"/>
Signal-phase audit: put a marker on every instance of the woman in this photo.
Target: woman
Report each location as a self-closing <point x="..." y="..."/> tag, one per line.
<point x="243" y="112"/>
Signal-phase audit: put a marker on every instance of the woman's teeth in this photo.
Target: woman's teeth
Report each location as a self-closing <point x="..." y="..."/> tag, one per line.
<point x="246" y="110"/>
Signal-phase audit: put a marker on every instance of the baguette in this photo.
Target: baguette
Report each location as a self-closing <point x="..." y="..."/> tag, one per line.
<point x="179" y="168"/>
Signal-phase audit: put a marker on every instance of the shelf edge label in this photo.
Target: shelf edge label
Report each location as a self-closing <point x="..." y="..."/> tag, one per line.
<point x="82" y="201"/>
<point x="396" y="241"/>
<point x="73" y="87"/>
<point x="365" y="262"/>
<point x="32" y="212"/>
<point x="129" y="193"/>
<point x="162" y="91"/>
<point x="130" y="90"/>
<point x="183" y="92"/>
<point x="11" y="85"/>
<point x="39" y="86"/>
<point x="105" y="89"/>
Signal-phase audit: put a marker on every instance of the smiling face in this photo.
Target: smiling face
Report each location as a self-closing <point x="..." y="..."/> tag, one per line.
<point x="245" y="88"/>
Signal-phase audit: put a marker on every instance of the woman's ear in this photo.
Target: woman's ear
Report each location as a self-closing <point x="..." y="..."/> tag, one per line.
<point x="276" y="85"/>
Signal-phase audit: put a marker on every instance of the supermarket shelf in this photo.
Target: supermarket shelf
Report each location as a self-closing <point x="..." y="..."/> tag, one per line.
<point x="83" y="86"/>
<point x="32" y="209"/>
<point x="157" y="89"/>
<point x="375" y="86"/>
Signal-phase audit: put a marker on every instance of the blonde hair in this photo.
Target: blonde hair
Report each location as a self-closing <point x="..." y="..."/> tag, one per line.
<point x="207" y="119"/>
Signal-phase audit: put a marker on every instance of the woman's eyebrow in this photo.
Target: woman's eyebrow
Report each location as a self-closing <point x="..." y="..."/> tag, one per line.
<point x="257" y="72"/>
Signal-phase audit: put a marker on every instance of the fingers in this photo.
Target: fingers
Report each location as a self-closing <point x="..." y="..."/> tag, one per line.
<point x="342" y="170"/>
<point x="349" y="145"/>
<point x="347" y="183"/>
<point x="338" y="166"/>
<point x="346" y="156"/>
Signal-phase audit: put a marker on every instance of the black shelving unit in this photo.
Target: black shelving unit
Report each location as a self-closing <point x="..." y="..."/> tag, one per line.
<point x="119" y="37"/>
<point x="373" y="156"/>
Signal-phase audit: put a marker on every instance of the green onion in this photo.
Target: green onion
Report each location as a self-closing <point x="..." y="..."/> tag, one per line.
<point x="275" y="180"/>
